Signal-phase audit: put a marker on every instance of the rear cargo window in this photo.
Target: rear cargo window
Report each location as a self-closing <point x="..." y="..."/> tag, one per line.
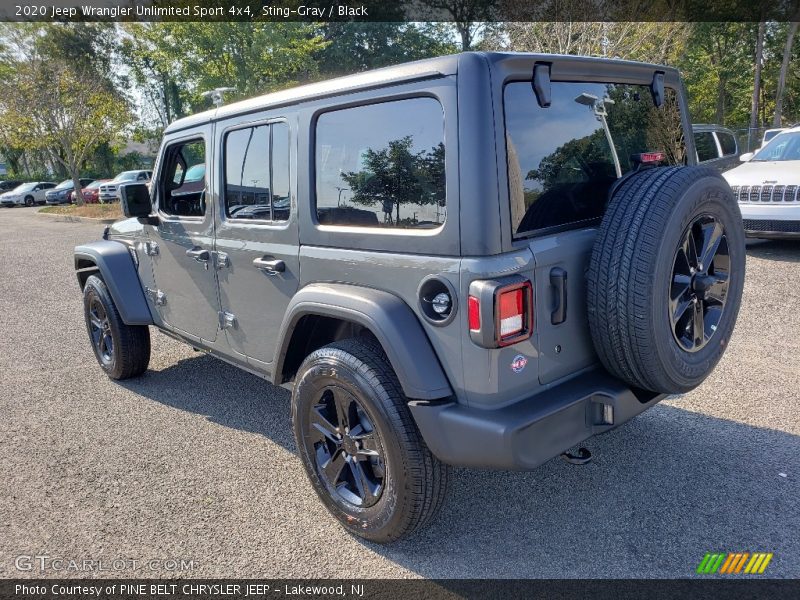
<point x="382" y="165"/>
<point x="563" y="159"/>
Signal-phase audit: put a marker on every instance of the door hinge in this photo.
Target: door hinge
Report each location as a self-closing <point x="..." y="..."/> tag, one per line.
<point x="151" y="248"/>
<point x="226" y="320"/>
<point x="222" y="260"/>
<point x="158" y="297"/>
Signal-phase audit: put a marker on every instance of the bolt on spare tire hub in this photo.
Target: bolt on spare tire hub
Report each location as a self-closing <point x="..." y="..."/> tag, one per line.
<point x="699" y="286"/>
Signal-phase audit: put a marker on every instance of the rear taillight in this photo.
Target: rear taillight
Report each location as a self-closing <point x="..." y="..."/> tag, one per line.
<point x="514" y="313"/>
<point x="500" y="311"/>
<point x="474" y="314"/>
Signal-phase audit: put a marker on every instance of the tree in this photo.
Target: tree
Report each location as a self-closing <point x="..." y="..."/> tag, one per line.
<point x="759" y="56"/>
<point x="75" y="116"/>
<point x="787" y="55"/>
<point x="470" y="17"/>
<point x="354" y="47"/>
<point x="395" y="176"/>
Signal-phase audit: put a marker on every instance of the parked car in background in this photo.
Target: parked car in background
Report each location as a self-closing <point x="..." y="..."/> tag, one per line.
<point x="9" y="184"/>
<point x="27" y="194"/>
<point x="769" y="134"/>
<point x="767" y="187"/>
<point x="91" y="193"/>
<point x="109" y="192"/>
<point x="61" y="194"/>
<point x="716" y="146"/>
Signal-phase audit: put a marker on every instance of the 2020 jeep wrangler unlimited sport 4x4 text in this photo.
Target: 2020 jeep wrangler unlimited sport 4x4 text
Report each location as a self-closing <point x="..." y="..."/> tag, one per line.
<point x="477" y="260"/>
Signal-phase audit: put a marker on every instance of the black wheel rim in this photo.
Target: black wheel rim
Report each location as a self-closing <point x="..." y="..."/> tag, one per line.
<point x="341" y="439"/>
<point x="699" y="287"/>
<point x="100" y="330"/>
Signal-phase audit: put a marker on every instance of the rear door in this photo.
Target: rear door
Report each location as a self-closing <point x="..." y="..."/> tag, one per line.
<point x="257" y="234"/>
<point x="563" y="160"/>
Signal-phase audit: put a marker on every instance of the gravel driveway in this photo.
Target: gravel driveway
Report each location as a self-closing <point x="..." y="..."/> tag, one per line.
<point x="195" y="461"/>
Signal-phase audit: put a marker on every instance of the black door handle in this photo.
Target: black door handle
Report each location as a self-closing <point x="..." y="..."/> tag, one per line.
<point x="558" y="281"/>
<point x="199" y="254"/>
<point x="271" y="266"/>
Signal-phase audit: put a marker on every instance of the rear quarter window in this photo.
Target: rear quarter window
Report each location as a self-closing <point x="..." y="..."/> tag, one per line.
<point x="382" y="165"/>
<point x="706" y="146"/>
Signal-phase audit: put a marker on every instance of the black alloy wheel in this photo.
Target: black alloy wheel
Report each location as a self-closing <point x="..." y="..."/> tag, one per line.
<point x="346" y="447"/>
<point x="699" y="287"/>
<point x="100" y="331"/>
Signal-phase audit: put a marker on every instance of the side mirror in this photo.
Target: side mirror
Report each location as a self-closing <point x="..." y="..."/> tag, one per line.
<point x="746" y="156"/>
<point x="135" y="199"/>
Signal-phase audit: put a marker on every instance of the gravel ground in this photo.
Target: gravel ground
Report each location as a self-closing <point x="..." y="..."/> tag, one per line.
<point x="196" y="461"/>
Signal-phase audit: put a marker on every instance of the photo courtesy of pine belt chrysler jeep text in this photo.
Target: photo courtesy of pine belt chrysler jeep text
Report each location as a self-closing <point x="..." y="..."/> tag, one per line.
<point x="477" y="260"/>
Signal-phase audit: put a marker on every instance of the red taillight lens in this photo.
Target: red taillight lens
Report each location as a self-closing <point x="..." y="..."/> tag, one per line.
<point x="514" y="313"/>
<point x="511" y="306"/>
<point x="474" y="313"/>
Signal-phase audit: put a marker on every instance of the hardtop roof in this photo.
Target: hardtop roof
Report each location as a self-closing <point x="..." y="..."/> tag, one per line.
<point x="421" y="69"/>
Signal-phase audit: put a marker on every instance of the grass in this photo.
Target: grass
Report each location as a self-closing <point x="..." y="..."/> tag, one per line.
<point x="92" y="211"/>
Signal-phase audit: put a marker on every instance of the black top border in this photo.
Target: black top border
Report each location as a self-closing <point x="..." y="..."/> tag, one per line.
<point x="400" y="10"/>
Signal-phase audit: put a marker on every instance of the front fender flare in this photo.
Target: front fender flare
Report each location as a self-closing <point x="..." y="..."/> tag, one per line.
<point x="114" y="261"/>
<point x="389" y="319"/>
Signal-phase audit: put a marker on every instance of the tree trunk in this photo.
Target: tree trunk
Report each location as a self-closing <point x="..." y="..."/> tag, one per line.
<point x="466" y="35"/>
<point x="720" y="114"/>
<point x="787" y="55"/>
<point x="77" y="193"/>
<point x="757" y="78"/>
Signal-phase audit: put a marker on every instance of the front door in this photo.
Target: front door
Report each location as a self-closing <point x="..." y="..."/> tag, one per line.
<point x="257" y="236"/>
<point x="182" y="243"/>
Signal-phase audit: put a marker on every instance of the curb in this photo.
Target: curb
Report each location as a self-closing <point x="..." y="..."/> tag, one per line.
<point x="76" y="219"/>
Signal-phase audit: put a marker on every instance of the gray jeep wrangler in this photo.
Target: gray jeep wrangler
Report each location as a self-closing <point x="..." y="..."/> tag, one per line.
<point x="478" y="260"/>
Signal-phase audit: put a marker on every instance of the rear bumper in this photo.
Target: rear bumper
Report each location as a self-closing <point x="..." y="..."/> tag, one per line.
<point x="528" y="433"/>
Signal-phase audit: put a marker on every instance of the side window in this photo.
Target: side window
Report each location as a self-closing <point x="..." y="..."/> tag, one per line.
<point x="182" y="183"/>
<point x="727" y="142"/>
<point x="382" y="165"/>
<point x="257" y="173"/>
<point x="706" y="146"/>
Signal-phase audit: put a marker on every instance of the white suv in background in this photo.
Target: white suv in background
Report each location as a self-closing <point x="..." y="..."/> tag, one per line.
<point x="27" y="194"/>
<point x="767" y="187"/>
<point x="109" y="192"/>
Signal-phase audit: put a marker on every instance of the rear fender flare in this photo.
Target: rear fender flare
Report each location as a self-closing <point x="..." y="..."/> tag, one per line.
<point x="388" y="318"/>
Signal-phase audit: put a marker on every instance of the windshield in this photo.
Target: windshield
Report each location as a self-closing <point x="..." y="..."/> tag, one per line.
<point x="563" y="159"/>
<point x="771" y="134"/>
<point x="25" y="187"/>
<point x="95" y="184"/>
<point x="785" y="146"/>
<point x="67" y="183"/>
<point x="126" y="176"/>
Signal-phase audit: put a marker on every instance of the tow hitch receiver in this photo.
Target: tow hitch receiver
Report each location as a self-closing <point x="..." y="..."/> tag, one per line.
<point x="581" y="458"/>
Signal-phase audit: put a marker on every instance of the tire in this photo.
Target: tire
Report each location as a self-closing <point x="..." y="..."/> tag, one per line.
<point x="407" y="484"/>
<point x="129" y="353"/>
<point x="29" y="201"/>
<point x="642" y="278"/>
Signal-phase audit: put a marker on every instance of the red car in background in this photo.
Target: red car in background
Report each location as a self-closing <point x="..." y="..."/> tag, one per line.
<point x="90" y="192"/>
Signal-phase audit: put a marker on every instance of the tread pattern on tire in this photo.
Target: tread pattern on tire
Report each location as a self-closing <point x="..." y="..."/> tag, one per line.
<point x="134" y="340"/>
<point x="428" y="477"/>
<point x="621" y="266"/>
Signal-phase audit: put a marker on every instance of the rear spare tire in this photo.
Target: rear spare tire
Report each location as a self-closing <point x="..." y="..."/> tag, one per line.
<point x="665" y="278"/>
